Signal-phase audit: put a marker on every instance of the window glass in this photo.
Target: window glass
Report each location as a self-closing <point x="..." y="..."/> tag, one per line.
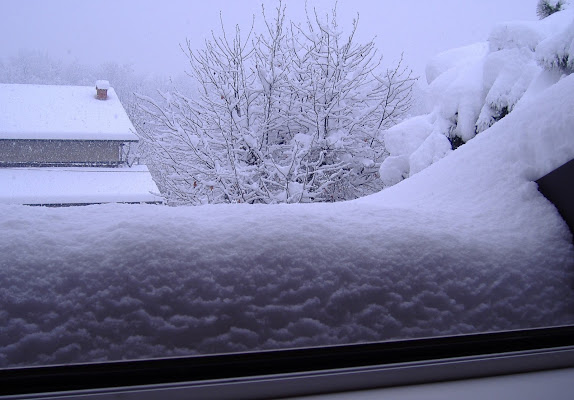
<point x="174" y="184"/>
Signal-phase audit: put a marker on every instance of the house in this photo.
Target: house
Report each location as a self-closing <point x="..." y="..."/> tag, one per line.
<point x="65" y="145"/>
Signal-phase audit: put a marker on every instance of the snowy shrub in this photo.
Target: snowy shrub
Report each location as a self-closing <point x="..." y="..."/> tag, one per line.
<point x="474" y="87"/>
<point x="555" y="52"/>
<point x="514" y="35"/>
<point x="545" y="8"/>
<point x="507" y="73"/>
<point x="453" y="58"/>
<point x="288" y="115"/>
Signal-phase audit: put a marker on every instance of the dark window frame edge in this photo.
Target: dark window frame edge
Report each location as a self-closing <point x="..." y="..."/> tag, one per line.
<point x="332" y="381"/>
<point x="322" y="380"/>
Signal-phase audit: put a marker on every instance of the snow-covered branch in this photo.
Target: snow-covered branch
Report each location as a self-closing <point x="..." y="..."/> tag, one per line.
<point x="288" y="115"/>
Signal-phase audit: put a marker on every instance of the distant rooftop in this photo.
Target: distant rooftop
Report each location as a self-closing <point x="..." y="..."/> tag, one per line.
<point x="77" y="185"/>
<point x="62" y="113"/>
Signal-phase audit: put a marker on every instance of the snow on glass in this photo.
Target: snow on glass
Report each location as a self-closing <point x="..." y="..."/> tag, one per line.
<point x="464" y="245"/>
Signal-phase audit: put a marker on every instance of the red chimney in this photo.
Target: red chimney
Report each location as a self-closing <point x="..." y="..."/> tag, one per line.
<point x="102" y="89"/>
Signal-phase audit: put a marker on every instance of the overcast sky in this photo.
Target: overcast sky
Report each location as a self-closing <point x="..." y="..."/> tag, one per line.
<point x="147" y="33"/>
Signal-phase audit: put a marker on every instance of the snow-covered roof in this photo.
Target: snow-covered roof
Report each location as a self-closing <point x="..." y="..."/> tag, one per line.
<point x="77" y="185"/>
<point x="62" y="112"/>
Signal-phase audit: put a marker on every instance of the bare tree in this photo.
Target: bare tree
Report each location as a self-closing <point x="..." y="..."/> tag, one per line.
<point x="345" y="100"/>
<point x="289" y="115"/>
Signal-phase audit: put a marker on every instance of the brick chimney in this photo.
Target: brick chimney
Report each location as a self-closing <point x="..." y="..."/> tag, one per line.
<point x="102" y="89"/>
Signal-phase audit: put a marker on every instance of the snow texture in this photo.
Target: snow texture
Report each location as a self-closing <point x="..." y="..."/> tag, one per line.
<point x="62" y="112"/>
<point x="77" y="185"/>
<point x="473" y="87"/>
<point x="466" y="245"/>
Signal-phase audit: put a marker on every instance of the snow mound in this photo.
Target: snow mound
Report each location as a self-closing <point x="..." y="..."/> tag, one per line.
<point x="513" y="35"/>
<point x="453" y="58"/>
<point x="403" y="139"/>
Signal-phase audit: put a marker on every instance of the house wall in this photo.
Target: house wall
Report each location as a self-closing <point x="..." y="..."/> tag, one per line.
<point x="30" y="152"/>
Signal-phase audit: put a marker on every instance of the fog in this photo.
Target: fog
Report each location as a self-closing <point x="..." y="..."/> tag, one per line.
<point x="147" y="34"/>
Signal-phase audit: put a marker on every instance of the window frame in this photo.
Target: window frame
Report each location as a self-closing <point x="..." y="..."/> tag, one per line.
<point x="299" y="372"/>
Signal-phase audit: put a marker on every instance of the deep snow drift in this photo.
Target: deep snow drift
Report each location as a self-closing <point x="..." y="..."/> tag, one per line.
<point x="465" y="245"/>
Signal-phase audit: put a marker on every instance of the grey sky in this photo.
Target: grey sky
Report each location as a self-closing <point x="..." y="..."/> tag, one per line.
<point x="147" y="33"/>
